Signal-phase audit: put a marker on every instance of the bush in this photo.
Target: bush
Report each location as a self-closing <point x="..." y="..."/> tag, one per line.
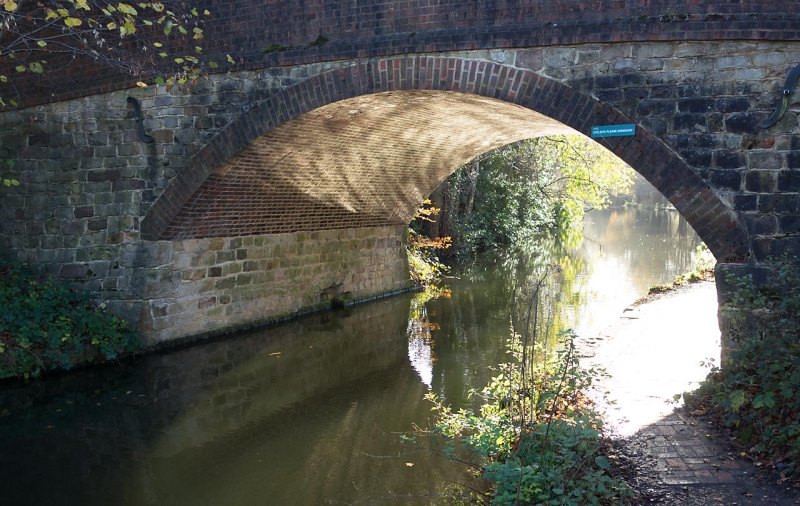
<point x="45" y="326"/>
<point x="755" y="395"/>
<point x="537" y="436"/>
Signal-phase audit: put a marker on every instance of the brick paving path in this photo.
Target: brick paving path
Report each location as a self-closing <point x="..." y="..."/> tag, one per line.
<point x="686" y="455"/>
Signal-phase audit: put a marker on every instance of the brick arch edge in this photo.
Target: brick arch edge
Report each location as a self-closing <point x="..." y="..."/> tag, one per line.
<point x="713" y="220"/>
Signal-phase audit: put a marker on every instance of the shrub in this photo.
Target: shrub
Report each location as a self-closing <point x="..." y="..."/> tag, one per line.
<point x="537" y="435"/>
<point x="44" y="326"/>
<point x="755" y="395"/>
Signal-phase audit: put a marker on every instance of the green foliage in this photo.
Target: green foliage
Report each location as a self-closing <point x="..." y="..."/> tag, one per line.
<point x="320" y="41"/>
<point x="9" y="165"/>
<point x="755" y="395"/>
<point x="558" y="465"/>
<point x="275" y="48"/>
<point x="46" y="326"/>
<point x="423" y="263"/>
<point x="538" y="437"/>
<point x="509" y="196"/>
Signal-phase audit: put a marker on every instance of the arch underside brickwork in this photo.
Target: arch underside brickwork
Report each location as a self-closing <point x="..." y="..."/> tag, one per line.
<point x="346" y="149"/>
<point x="361" y="162"/>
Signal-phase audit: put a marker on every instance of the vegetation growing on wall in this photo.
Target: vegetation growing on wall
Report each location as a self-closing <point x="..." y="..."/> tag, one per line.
<point x="755" y="395"/>
<point x="508" y="196"/>
<point x="44" y="326"/>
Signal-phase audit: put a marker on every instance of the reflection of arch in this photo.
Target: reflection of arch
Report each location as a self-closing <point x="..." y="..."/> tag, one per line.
<point x="713" y="220"/>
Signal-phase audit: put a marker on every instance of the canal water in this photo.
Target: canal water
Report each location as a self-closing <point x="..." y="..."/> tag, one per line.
<point x="321" y="410"/>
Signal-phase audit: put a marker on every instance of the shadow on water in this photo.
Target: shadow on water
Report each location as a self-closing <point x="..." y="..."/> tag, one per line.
<point x="303" y="413"/>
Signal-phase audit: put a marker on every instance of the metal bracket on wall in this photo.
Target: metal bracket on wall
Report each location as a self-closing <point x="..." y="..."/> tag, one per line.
<point x="788" y="89"/>
<point x="137" y="114"/>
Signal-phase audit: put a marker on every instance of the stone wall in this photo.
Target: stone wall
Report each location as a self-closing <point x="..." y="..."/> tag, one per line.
<point x="705" y="100"/>
<point x="197" y="287"/>
<point x="88" y="180"/>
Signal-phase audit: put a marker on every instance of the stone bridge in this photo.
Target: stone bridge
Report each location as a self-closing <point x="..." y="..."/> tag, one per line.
<point x="286" y="180"/>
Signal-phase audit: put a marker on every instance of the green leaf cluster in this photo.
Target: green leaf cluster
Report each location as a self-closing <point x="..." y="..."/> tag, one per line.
<point x="536" y="435"/>
<point x="755" y="395"/>
<point x="45" y="326"/>
<point x="507" y="197"/>
<point x="9" y="165"/>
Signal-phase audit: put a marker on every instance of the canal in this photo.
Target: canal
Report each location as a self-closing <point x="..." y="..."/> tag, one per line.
<point x="320" y="410"/>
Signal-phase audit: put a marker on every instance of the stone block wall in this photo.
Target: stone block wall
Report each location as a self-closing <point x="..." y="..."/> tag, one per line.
<point x="704" y="100"/>
<point x="198" y="287"/>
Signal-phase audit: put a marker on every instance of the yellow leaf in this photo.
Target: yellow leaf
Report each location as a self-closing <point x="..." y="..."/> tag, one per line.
<point x="73" y="22"/>
<point x="10" y="5"/>
<point x="111" y="25"/>
<point x="157" y="44"/>
<point x="128" y="28"/>
<point x="141" y="84"/>
<point x="126" y="9"/>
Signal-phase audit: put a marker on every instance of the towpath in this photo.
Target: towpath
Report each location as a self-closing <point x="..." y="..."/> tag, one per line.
<point x="654" y="351"/>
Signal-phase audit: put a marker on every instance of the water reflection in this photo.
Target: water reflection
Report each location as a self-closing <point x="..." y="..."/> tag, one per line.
<point x="312" y="412"/>
<point x="307" y="413"/>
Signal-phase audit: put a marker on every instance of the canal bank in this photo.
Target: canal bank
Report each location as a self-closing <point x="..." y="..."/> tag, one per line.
<point x="655" y="350"/>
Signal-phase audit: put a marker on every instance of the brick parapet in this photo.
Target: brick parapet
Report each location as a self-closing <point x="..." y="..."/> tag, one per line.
<point x="318" y="31"/>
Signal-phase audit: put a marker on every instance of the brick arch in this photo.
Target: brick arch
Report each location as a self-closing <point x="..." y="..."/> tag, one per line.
<point x="708" y="214"/>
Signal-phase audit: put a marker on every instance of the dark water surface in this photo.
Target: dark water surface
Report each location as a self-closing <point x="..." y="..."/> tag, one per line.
<point x="312" y="412"/>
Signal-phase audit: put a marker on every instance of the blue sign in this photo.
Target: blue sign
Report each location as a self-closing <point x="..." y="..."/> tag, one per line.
<point x="627" y="130"/>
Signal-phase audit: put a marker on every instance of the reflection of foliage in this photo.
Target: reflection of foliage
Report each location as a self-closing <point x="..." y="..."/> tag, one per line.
<point x="420" y="327"/>
<point x="536" y="435"/>
<point x="508" y="196"/>
<point x="418" y="313"/>
<point x="704" y="263"/>
<point x="46" y="326"/>
<point x="755" y="394"/>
